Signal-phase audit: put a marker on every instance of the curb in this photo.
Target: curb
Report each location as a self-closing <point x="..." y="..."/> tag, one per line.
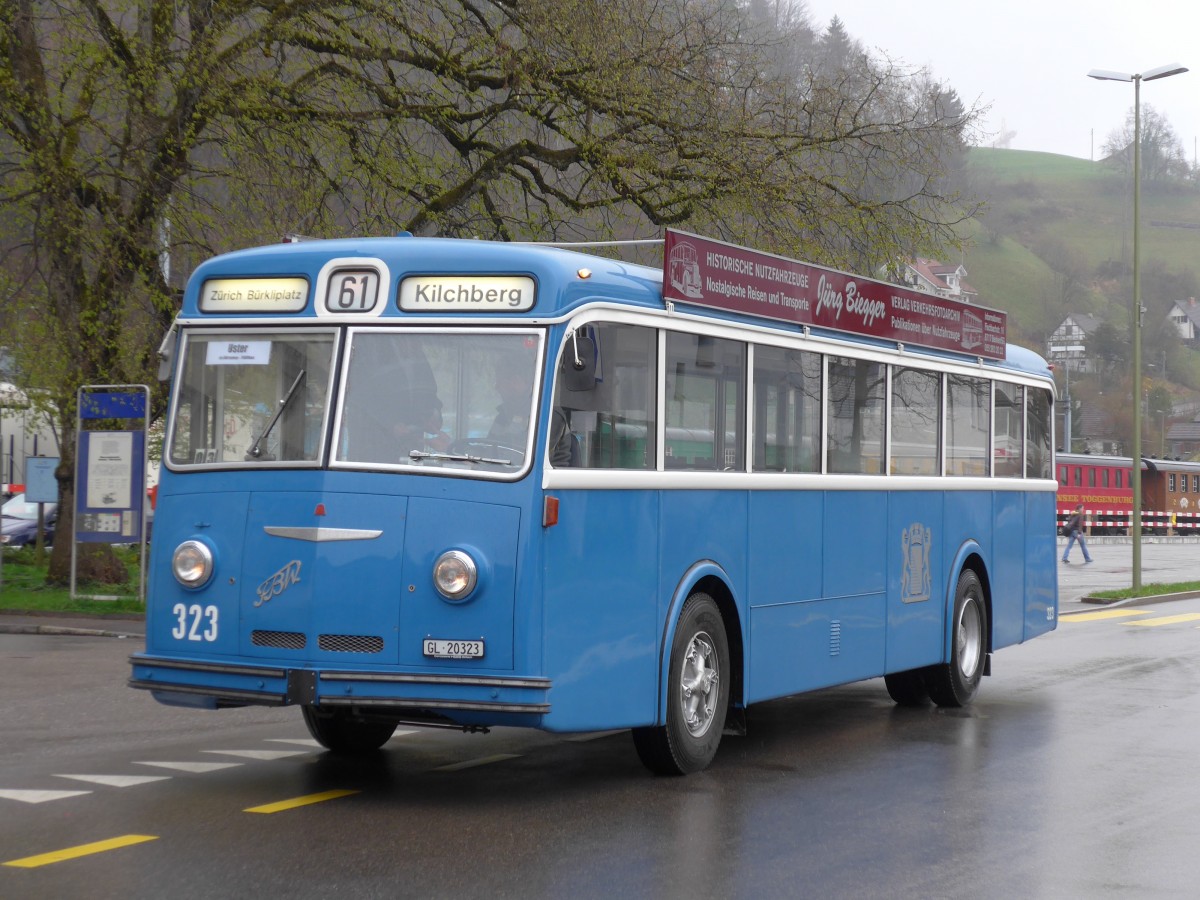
<point x="6" y="628"/>
<point x="1140" y="601"/>
<point x="20" y="621"/>
<point x="1089" y="604"/>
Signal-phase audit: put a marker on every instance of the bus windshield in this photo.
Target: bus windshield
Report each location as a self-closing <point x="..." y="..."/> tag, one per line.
<point x="419" y="399"/>
<point x="251" y="398"/>
<point x="441" y="399"/>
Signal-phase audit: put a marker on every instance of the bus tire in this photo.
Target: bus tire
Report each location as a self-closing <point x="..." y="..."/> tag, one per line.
<point x="697" y="694"/>
<point x="954" y="683"/>
<point x="341" y="731"/>
<point x="907" y="688"/>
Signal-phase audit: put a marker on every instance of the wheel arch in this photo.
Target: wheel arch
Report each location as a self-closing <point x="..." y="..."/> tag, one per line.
<point x="969" y="556"/>
<point x="709" y="577"/>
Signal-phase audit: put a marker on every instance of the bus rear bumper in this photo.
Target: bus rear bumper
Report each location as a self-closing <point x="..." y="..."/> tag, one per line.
<point x="208" y="685"/>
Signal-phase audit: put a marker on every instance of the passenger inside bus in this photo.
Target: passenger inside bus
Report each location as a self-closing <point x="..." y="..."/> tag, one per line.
<point x="419" y="426"/>
<point x="510" y="427"/>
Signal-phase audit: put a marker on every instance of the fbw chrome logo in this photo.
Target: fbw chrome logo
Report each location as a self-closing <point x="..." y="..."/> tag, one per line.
<point x="279" y="582"/>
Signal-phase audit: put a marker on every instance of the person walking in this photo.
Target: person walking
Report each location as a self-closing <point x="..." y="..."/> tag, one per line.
<point x="1074" y="532"/>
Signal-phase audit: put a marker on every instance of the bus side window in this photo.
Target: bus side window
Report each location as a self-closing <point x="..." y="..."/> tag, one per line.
<point x="916" y="421"/>
<point x="705" y="427"/>
<point x="968" y="413"/>
<point x="787" y="410"/>
<point x="857" y="407"/>
<point x="612" y="419"/>
<point x="1008" y="441"/>
<point x="1039" y="456"/>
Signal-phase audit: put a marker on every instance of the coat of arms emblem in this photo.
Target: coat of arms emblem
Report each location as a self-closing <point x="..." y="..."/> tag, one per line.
<point x="914" y="582"/>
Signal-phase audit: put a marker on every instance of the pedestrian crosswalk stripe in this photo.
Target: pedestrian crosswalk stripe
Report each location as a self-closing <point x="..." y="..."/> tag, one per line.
<point x="43" y="859"/>
<point x="118" y="780"/>
<point x="259" y="754"/>
<point x="40" y="796"/>
<point x="197" y="767"/>
<point x="1167" y="620"/>
<point x="1104" y="614"/>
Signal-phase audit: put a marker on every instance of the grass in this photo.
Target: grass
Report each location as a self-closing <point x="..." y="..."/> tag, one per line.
<point x="1148" y="590"/>
<point x="1043" y="209"/>
<point x="25" y="589"/>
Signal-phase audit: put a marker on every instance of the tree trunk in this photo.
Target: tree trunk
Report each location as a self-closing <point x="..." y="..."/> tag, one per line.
<point x="93" y="562"/>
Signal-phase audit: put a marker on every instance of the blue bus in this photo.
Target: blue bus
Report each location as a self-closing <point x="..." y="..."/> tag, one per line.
<point x="471" y="484"/>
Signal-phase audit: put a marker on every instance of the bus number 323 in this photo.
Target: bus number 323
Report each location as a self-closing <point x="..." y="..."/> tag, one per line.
<point x="195" y="622"/>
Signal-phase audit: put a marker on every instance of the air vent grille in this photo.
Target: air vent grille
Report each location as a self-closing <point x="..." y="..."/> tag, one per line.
<point x="350" y="643"/>
<point x="287" y="640"/>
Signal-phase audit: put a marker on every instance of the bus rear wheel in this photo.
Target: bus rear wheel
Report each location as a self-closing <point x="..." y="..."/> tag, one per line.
<point x="955" y="683"/>
<point x="342" y="731"/>
<point x="907" y="688"/>
<point x="697" y="694"/>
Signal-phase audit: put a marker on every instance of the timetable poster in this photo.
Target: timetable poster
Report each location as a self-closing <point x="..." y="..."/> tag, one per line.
<point x="110" y="470"/>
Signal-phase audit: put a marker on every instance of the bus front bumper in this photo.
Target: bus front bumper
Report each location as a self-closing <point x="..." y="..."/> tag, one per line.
<point x="207" y="685"/>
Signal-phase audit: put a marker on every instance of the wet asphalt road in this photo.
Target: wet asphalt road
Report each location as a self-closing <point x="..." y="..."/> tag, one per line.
<point x="1071" y="776"/>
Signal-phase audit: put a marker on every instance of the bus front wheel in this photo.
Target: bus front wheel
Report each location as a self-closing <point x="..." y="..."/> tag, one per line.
<point x="697" y="694"/>
<point x="341" y="731"/>
<point x="954" y="683"/>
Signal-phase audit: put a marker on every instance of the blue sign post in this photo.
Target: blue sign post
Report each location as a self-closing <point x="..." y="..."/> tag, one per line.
<point x="110" y="473"/>
<point x="40" y="484"/>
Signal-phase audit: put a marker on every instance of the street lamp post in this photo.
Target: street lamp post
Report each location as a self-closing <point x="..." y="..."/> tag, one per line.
<point x="1136" y="313"/>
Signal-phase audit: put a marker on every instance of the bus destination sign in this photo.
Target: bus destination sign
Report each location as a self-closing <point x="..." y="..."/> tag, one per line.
<point x="467" y="293"/>
<point x="273" y="295"/>
<point x="725" y="276"/>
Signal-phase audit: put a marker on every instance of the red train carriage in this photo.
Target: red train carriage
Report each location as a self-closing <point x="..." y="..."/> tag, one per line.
<point x="1102" y="484"/>
<point x="1174" y="496"/>
<point x="1170" y="493"/>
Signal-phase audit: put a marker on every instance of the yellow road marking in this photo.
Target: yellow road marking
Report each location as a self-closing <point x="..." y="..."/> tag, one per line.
<point x="1104" y="614"/>
<point x="307" y="800"/>
<point x="44" y="859"/>
<point x="1167" y="620"/>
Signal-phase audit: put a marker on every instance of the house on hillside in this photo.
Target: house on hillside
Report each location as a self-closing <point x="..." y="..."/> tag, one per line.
<point x="1067" y="345"/>
<point x="1096" y="432"/>
<point x="1186" y="319"/>
<point x="933" y="277"/>
<point x="1183" y="439"/>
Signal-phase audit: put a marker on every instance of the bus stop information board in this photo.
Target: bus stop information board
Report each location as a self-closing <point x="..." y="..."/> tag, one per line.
<point x="724" y="276"/>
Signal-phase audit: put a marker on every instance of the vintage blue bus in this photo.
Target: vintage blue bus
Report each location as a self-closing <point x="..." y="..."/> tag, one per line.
<point x="471" y="483"/>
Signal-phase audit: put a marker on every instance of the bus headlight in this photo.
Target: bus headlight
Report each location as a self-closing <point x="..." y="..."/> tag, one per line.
<point x="192" y="564"/>
<point x="455" y="574"/>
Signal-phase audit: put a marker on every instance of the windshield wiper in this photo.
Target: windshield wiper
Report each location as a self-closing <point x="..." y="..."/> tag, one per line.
<point x="255" y="451"/>
<point x="459" y="457"/>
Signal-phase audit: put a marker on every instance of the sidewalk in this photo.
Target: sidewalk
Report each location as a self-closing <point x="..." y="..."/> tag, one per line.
<point x="1170" y="561"/>
<point x="64" y="623"/>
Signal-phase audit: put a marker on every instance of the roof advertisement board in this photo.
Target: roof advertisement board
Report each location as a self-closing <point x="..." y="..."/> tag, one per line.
<point x="725" y="276"/>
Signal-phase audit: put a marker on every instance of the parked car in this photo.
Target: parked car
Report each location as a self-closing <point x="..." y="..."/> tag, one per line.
<point x="20" y="521"/>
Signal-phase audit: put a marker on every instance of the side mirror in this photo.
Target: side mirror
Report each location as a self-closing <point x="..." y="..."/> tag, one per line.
<point x="577" y="370"/>
<point x="166" y="354"/>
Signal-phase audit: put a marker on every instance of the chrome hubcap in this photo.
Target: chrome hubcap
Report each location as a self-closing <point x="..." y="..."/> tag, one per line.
<point x="969" y="637"/>
<point x="699" y="684"/>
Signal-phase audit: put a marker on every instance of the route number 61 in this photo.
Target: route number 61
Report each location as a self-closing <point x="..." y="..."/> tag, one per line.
<point x="195" y="622"/>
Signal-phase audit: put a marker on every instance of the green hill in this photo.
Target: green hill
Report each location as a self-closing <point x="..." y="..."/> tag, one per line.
<point x="1056" y="237"/>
